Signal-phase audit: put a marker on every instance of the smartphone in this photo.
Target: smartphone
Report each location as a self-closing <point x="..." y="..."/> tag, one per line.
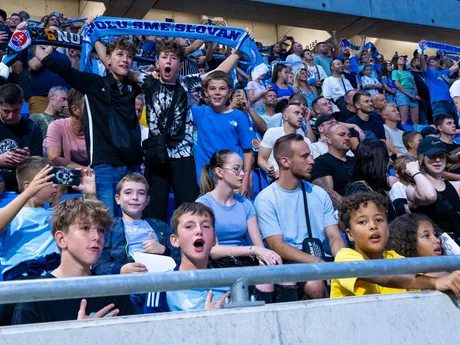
<point x="66" y="176"/>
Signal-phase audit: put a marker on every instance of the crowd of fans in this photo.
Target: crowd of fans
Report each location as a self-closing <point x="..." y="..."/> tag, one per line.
<point x="333" y="156"/>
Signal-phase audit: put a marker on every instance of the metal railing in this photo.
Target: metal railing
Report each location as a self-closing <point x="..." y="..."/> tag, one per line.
<point x="125" y="284"/>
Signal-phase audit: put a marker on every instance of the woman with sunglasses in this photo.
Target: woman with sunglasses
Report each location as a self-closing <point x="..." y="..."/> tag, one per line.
<point x="239" y="242"/>
<point x="429" y="193"/>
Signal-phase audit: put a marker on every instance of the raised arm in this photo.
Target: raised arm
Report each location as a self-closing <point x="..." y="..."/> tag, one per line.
<point x="193" y="47"/>
<point x="422" y="191"/>
<point x="361" y="47"/>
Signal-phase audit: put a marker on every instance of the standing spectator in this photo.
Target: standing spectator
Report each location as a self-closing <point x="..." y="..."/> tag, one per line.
<point x="65" y="140"/>
<point x="387" y="82"/>
<point x="110" y="108"/>
<point x="437" y="80"/>
<point x="370" y="172"/>
<point x="406" y="95"/>
<point x="301" y="85"/>
<point x="371" y="127"/>
<point x="280" y="83"/>
<point x="295" y="57"/>
<point x="371" y="85"/>
<point x="394" y="136"/>
<point x="57" y="103"/>
<point x="2" y="17"/>
<point x="424" y="106"/>
<point x="316" y="70"/>
<point x="13" y="22"/>
<point x="322" y="57"/>
<point x="429" y="193"/>
<point x="292" y="122"/>
<point x="350" y="75"/>
<point x="455" y="94"/>
<point x="333" y="170"/>
<point x="335" y="86"/>
<point x="281" y="210"/>
<point x="20" y="138"/>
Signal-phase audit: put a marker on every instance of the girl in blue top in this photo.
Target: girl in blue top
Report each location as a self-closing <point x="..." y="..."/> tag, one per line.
<point x="239" y="242"/>
<point x="280" y="83"/>
<point x="387" y="82"/>
<point x="220" y="127"/>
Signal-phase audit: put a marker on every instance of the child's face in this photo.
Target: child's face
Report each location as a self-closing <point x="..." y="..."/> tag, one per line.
<point x="195" y="237"/>
<point x="47" y="195"/>
<point x="120" y="62"/>
<point x="169" y="66"/>
<point x="428" y="244"/>
<point x="133" y="198"/>
<point x="84" y="242"/>
<point x="369" y="230"/>
<point x="367" y="71"/>
<point x="217" y="93"/>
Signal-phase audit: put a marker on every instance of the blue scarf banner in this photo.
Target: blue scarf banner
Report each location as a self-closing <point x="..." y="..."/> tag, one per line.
<point x="446" y="48"/>
<point x="108" y="26"/>
<point x="369" y="45"/>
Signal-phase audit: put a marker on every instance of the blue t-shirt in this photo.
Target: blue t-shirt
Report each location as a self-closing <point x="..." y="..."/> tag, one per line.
<point x="231" y="221"/>
<point x="136" y="232"/>
<point x="282" y="92"/>
<point x="43" y="80"/>
<point x="282" y="212"/>
<point x="27" y="237"/>
<point x="438" y="85"/>
<point x="324" y="62"/>
<point x="216" y="132"/>
<point x="354" y="64"/>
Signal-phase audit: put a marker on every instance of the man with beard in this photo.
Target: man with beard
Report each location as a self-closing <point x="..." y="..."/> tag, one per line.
<point x="281" y="212"/>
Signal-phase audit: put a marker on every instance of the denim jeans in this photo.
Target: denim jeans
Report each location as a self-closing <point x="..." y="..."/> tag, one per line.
<point x="107" y="178"/>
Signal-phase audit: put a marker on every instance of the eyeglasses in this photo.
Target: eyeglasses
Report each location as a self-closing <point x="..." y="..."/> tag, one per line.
<point x="236" y="171"/>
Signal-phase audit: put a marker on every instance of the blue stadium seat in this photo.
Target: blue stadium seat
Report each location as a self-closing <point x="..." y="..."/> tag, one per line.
<point x="25" y="110"/>
<point x="6" y="198"/>
<point x="407" y="127"/>
<point x="171" y="207"/>
<point x="419" y="128"/>
<point x="67" y="196"/>
<point x="260" y="181"/>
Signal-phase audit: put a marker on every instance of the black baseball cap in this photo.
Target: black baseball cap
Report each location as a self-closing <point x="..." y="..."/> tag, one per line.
<point x="431" y="146"/>
<point x="323" y="118"/>
<point x="429" y="131"/>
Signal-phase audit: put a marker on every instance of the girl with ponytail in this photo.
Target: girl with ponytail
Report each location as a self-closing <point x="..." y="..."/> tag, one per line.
<point x="239" y="242"/>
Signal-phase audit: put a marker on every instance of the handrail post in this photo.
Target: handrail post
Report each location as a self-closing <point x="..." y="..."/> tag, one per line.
<point x="239" y="296"/>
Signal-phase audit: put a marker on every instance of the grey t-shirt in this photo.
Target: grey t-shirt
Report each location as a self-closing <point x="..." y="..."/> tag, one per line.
<point x="395" y="136"/>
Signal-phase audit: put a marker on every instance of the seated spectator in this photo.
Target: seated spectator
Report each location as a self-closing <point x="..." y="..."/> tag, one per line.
<point x="429" y="193"/>
<point x="333" y="171"/>
<point x="322" y="57"/>
<point x="193" y="233"/>
<point x="256" y="90"/>
<point x="414" y="235"/>
<point x="238" y="240"/>
<point x="445" y="124"/>
<point x="379" y="102"/>
<point x="370" y="172"/>
<point x="269" y="108"/>
<point x="282" y="211"/>
<point x="220" y="127"/>
<point x="411" y="140"/>
<point x="394" y="136"/>
<point x="349" y="110"/>
<point x="20" y="138"/>
<point x="406" y="94"/>
<point x="257" y="125"/>
<point x="280" y="83"/>
<point x="365" y="217"/>
<point x="292" y="122"/>
<point x="397" y="192"/>
<point x="364" y="120"/>
<point x="78" y="227"/>
<point x="301" y="85"/>
<point x="429" y="131"/>
<point x="370" y="84"/>
<point x="335" y="86"/>
<point x="438" y="86"/>
<point x="65" y="142"/>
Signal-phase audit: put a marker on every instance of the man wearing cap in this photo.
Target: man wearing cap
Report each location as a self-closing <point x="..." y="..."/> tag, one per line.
<point x="438" y="83"/>
<point x="333" y="171"/>
<point x="292" y="122"/>
<point x="322" y="124"/>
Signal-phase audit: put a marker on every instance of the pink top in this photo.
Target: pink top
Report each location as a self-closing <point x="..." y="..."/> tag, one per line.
<point x="61" y="134"/>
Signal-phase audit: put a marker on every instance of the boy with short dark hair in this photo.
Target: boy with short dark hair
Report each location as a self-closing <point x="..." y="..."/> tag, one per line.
<point x="193" y="233"/>
<point x="78" y="227"/>
<point x="410" y="140"/>
<point x="365" y="219"/>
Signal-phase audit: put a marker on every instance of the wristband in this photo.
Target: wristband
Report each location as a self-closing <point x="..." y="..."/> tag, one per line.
<point x="413" y="176"/>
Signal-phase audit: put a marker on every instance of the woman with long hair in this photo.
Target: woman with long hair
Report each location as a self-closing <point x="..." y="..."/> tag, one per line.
<point x="370" y="172"/>
<point x="387" y="82"/>
<point x="239" y="242"/>
<point x="428" y="192"/>
<point x="301" y="85"/>
<point x="406" y="94"/>
<point x="280" y="83"/>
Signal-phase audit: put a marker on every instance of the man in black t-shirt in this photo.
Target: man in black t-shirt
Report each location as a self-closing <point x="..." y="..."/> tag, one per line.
<point x="333" y="170"/>
<point x="350" y="110"/>
<point x="78" y="227"/>
<point x="371" y="127"/>
<point x="20" y="138"/>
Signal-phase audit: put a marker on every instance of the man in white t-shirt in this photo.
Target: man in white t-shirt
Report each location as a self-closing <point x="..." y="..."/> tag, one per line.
<point x="336" y="86"/>
<point x="293" y="117"/>
<point x="295" y="58"/>
<point x="316" y="70"/>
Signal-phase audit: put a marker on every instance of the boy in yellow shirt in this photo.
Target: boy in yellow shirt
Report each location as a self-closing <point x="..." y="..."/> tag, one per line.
<point x="365" y="218"/>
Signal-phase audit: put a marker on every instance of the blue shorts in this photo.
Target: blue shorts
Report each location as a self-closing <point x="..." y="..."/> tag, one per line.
<point x="402" y="99"/>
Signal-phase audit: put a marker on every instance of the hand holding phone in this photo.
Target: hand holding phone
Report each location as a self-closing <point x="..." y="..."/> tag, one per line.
<point x="66" y="176"/>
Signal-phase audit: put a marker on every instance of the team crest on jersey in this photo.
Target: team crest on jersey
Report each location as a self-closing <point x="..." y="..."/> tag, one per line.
<point x="20" y="41"/>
